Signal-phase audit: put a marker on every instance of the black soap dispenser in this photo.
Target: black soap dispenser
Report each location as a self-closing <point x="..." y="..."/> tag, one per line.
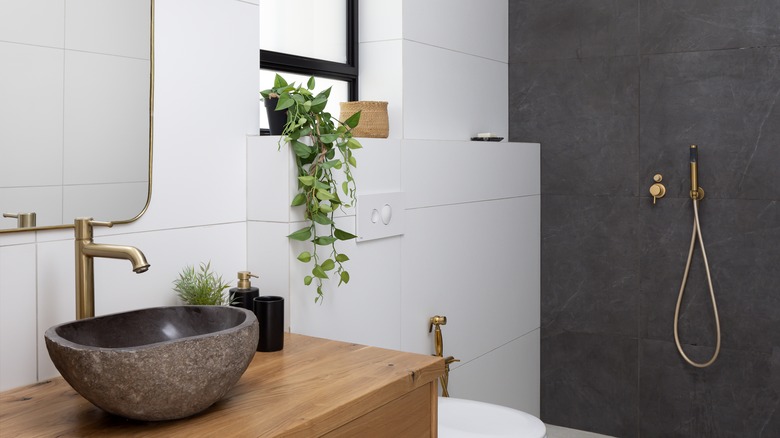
<point x="244" y="294"/>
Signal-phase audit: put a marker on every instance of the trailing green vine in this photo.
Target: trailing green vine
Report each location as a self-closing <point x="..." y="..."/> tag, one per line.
<point x="321" y="144"/>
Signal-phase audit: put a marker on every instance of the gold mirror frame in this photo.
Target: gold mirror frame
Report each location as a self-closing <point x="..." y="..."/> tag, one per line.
<point x="151" y="136"/>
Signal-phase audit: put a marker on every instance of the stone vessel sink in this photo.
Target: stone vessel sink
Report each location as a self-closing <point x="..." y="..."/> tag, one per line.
<point x="158" y="363"/>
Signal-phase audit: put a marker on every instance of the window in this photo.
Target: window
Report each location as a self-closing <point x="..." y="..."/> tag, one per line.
<point x="325" y="52"/>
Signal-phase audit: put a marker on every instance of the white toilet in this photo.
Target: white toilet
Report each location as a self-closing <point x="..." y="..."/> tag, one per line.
<point x="460" y="418"/>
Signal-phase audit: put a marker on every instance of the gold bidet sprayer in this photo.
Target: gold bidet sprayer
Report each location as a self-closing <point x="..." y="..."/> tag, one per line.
<point x="438" y="321"/>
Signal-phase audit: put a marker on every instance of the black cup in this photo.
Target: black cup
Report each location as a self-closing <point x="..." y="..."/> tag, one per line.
<point x="270" y="313"/>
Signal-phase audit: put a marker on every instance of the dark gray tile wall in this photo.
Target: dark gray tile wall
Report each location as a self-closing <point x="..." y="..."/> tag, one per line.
<point x="616" y="91"/>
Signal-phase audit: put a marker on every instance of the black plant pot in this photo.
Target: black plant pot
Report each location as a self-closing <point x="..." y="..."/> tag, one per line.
<point x="276" y="119"/>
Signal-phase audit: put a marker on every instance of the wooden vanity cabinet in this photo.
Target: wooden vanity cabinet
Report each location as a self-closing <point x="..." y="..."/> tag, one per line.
<point x="312" y="388"/>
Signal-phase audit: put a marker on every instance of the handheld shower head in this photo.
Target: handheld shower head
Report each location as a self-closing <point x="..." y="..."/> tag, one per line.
<point x="696" y="192"/>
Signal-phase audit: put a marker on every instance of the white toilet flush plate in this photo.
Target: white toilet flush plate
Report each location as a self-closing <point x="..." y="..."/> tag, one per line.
<point x="380" y="215"/>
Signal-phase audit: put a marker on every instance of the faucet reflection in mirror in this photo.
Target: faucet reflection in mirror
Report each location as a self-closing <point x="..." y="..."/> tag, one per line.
<point x="86" y="251"/>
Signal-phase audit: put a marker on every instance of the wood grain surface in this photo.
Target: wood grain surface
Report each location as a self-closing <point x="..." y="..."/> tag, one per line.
<point x="311" y="388"/>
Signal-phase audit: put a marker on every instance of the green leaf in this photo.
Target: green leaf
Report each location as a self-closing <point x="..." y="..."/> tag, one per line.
<point x="302" y="234"/>
<point x="307" y="280"/>
<point x="325" y="93"/>
<point x="284" y="102"/>
<point x="298" y="98"/>
<point x="318" y="272"/>
<point x="306" y="107"/>
<point x="305" y="257"/>
<point x="301" y="149"/>
<point x="341" y="258"/>
<point x="354" y="144"/>
<point x="345" y="187"/>
<point x="299" y="199"/>
<point x="353" y="120"/>
<point x="325" y="208"/>
<point x="321" y="219"/>
<point x="344" y="277"/>
<point x="325" y="240"/>
<point x="306" y="180"/>
<point x="310" y="84"/>
<point x="328" y="265"/>
<point x="352" y="161"/>
<point x="279" y="81"/>
<point x="322" y="195"/>
<point x="329" y="138"/>
<point x="331" y="164"/>
<point x="343" y="235"/>
<point x="319" y="100"/>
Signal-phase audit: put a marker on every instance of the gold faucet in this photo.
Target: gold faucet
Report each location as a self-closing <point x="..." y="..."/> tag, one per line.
<point x="86" y="250"/>
<point x="438" y="321"/>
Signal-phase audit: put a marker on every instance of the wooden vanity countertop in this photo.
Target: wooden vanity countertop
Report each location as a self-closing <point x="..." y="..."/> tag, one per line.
<point x="311" y="387"/>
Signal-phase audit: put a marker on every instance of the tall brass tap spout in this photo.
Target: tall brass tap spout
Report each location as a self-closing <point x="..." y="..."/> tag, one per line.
<point x="86" y="251"/>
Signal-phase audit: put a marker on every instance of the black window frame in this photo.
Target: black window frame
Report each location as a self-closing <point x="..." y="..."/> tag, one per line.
<point x="347" y="72"/>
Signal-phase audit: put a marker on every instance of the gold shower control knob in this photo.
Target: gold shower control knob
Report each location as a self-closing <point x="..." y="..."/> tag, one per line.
<point x="657" y="190"/>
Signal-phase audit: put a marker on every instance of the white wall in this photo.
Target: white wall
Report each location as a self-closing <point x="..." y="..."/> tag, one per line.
<point x="471" y="246"/>
<point x="205" y="104"/>
<point x="470" y="249"/>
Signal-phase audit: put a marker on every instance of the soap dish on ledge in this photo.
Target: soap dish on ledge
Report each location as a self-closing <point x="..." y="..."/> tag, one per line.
<point x="487" y="138"/>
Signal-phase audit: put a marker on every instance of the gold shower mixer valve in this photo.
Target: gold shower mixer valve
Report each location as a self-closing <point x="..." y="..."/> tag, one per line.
<point x="657" y="190"/>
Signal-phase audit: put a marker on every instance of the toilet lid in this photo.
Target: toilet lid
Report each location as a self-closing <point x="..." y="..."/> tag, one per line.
<point x="460" y="418"/>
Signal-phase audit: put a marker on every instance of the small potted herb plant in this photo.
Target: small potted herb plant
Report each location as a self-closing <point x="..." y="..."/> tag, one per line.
<point x="202" y="287"/>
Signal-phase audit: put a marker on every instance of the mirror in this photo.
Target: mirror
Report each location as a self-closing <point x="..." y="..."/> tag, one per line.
<point x="75" y="110"/>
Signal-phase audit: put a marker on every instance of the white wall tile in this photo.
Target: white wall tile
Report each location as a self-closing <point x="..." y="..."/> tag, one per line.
<point x="45" y="202"/>
<point x="106" y="133"/>
<point x="11" y="239"/>
<point x="18" y="338"/>
<point x="38" y="22"/>
<point x="515" y="374"/>
<point x="381" y="79"/>
<point x="206" y="91"/>
<point x="380" y="21"/>
<point x="116" y="27"/>
<point x="31" y="115"/>
<point x="270" y="179"/>
<point x="379" y="166"/>
<point x="473" y="263"/>
<point x="479" y="28"/>
<point x="56" y="295"/>
<point x="365" y="311"/>
<point x="452" y="96"/>
<point x="493" y="170"/>
<point x="268" y="257"/>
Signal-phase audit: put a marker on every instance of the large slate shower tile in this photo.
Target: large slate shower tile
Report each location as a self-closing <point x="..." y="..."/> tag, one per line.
<point x="589" y="264"/>
<point x="544" y="30"/>
<point x="584" y="114"/>
<point x="738" y="396"/>
<point x="697" y="25"/>
<point x="589" y="382"/>
<point x="728" y="103"/>
<point x="741" y="241"/>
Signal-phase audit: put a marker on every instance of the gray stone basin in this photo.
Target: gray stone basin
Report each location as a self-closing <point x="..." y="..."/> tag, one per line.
<point x="158" y="363"/>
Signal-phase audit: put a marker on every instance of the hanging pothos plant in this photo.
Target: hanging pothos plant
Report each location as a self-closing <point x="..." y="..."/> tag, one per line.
<point x="321" y="143"/>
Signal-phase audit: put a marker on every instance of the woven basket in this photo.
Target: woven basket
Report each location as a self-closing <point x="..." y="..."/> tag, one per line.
<point x="373" y="118"/>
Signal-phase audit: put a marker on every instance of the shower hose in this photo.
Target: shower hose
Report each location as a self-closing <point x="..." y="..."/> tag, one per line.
<point x="697" y="233"/>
